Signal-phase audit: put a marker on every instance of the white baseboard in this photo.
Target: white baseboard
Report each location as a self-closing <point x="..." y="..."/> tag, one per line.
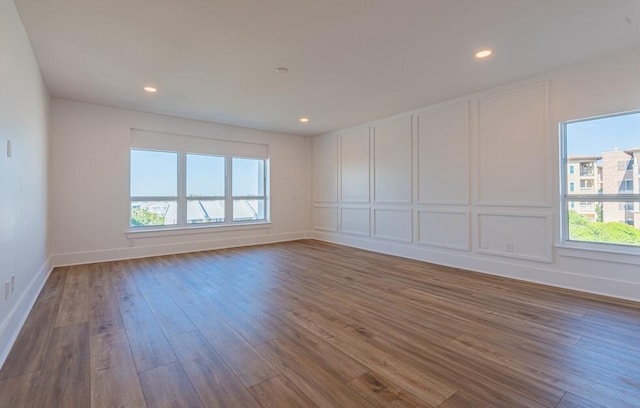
<point x="78" y="258"/>
<point x="527" y="271"/>
<point x="10" y="327"/>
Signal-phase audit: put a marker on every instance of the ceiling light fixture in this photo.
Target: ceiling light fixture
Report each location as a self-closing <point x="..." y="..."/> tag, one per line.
<point x="483" y="54"/>
<point x="304" y="120"/>
<point x="150" y="89"/>
<point x="281" y="70"/>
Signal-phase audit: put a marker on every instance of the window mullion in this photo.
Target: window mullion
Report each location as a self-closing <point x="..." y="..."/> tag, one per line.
<point x="228" y="202"/>
<point x="182" y="189"/>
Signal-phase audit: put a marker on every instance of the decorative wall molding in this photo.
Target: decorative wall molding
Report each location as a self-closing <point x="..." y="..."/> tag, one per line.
<point x="393" y="227"/>
<point x="464" y="243"/>
<point x="392" y="172"/>
<point x="433" y="128"/>
<point x="325" y="151"/>
<point x="516" y="126"/>
<point x="516" y="235"/>
<point x="348" y="227"/>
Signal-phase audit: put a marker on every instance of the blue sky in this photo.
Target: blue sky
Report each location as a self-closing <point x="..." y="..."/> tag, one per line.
<point x="205" y="175"/>
<point x="592" y="137"/>
<point x="154" y="173"/>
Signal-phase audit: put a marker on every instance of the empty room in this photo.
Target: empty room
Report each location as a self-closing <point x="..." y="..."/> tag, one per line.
<point x="364" y="203"/>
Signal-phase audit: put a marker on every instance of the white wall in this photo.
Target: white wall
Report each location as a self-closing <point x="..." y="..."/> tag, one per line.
<point x="23" y="177"/>
<point x="472" y="182"/>
<point x="90" y="178"/>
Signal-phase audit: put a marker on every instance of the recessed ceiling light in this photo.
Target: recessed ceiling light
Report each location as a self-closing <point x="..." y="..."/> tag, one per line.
<point x="282" y="70"/>
<point x="483" y="54"/>
<point x="150" y="89"/>
<point x="304" y="120"/>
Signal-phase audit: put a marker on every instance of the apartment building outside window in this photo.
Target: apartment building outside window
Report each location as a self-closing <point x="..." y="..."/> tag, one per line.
<point x="601" y="155"/>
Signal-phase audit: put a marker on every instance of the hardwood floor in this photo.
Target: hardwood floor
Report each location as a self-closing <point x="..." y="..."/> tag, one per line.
<point x="309" y="324"/>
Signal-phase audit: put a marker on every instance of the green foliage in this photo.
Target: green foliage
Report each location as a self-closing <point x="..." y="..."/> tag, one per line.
<point x="582" y="228"/>
<point x="142" y="217"/>
<point x="599" y="212"/>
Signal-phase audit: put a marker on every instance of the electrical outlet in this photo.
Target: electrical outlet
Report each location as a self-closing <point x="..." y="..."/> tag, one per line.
<point x="7" y="290"/>
<point x="509" y="246"/>
<point x="484" y="244"/>
<point x="13" y="283"/>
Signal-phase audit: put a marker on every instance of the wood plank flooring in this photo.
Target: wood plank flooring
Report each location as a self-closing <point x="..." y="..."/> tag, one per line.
<point x="310" y="324"/>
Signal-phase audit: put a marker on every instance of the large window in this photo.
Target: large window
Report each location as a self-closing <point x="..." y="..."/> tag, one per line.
<point x="154" y="188"/>
<point x="606" y="209"/>
<point x="187" y="189"/>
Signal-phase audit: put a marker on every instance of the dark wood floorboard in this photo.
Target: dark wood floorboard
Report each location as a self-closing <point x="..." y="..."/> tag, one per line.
<point x="314" y="325"/>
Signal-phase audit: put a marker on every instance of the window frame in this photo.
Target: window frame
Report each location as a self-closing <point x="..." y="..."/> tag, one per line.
<point x="182" y="199"/>
<point x="183" y="207"/>
<point x="566" y="198"/>
<point x="233" y="198"/>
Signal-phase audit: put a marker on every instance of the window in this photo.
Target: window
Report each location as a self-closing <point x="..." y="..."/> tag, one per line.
<point x="586" y="184"/>
<point x="624" y="165"/>
<point x="572" y="169"/>
<point x="181" y="181"/>
<point x="205" y="188"/>
<point x="248" y="189"/>
<point x="586" y="169"/>
<point x="154" y="188"/>
<point x="606" y="148"/>
<point x="211" y="189"/>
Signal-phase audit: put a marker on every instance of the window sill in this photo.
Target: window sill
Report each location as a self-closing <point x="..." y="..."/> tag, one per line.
<point x="600" y="252"/>
<point x="151" y="232"/>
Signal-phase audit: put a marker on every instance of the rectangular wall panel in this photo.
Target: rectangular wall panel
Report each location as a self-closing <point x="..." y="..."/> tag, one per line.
<point x="354" y="165"/>
<point x="515" y="235"/>
<point x="325" y="218"/>
<point x="395" y="225"/>
<point x="325" y="168"/>
<point x="512" y="153"/>
<point x="443" y="154"/>
<point x="444" y="228"/>
<point x="355" y="221"/>
<point x="393" y="160"/>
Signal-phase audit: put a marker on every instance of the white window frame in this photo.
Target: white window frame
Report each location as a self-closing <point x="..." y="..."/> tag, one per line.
<point x="565" y="198"/>
<point x="182" y="199"/>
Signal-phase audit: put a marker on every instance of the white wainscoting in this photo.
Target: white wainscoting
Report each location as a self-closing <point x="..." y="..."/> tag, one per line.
<point x="523" y="235"/>
<point x="325" y="168"/>
<point x="443" y="154"/>
<point x="354" y="165"/>
<point x="393" y="224"/>
<point x="472" y="182"/>
<point x="444" y="228"/>
<point x="513" y="149"/>
<point x="355" y="220"/>
<point x="392" y="164"/>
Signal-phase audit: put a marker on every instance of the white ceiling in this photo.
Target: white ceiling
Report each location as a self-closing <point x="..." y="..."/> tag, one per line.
<point x="350" y="61"/>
